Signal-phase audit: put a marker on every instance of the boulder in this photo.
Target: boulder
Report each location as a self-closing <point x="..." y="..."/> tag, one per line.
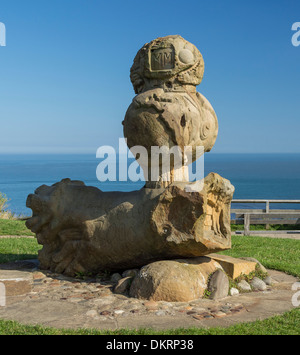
<point x="180" y="280"/>
<point x="218" y="285"/>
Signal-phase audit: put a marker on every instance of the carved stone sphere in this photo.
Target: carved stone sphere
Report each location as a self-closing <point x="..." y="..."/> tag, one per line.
<point x="159" y="118"/>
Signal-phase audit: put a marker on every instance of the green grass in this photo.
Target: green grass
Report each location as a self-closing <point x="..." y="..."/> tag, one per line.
<point x="280" y="254"/>
<point x="3" y="202"/>
<point x="12" y="249"/>
<point x="14" y="227"/>
<point x="259" y="227"/>
<point x="274" y="253"/>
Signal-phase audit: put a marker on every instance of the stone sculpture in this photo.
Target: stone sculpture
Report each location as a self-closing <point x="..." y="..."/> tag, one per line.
<point x="83" y="229"/>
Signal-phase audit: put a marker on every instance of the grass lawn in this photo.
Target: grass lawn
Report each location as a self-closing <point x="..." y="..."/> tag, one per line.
<point x="12" y="249"/>
<point x="259" y="227"/>
<point x="14" y="227"/>
<point x="280" y="254"/>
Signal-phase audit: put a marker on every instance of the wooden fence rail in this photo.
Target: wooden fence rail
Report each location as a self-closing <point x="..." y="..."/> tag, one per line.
<point x="265" y="216"/>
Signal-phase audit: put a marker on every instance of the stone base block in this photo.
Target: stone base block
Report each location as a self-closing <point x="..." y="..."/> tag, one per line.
<point x="234" y="267"/>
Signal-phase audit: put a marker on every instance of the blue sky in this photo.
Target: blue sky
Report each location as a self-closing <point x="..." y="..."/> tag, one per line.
<point x="64" y="73"/>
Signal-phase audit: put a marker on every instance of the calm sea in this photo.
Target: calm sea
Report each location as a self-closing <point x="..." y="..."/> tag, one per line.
<point x="255" y="176"/>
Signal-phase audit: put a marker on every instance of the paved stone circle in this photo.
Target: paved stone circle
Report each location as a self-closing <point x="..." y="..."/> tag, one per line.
<point x="104" y="304"/>
<point x="66" y="302"/>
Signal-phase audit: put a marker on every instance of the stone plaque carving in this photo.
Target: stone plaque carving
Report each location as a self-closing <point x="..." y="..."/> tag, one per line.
<point x="162" y="58"/>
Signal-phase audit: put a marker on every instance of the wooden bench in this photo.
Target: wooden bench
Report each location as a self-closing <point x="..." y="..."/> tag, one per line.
<point x="265" y="216"/>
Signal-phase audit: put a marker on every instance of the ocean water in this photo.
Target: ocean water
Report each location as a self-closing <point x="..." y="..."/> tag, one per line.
<point x="255" y="176"/>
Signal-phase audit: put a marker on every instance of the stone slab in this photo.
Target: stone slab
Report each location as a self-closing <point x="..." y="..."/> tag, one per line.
<point x="234" y="267"/>
<point x="16" y="282"/>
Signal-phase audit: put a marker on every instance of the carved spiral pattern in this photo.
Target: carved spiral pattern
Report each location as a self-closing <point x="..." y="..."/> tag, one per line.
<point x="205" y="130"/>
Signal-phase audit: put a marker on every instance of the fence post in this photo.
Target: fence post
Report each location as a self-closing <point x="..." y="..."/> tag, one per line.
<point x="267" y="211"/>
<point x="246" y="224"/>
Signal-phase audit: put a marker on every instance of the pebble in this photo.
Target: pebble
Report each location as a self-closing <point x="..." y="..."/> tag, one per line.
<point x="92" y="288"/>
<point x="164" y="307"/>
<point x="75" y="300"/>
<point x="47" y="279"/>
<point x="198" y="317"/>
<point x="92" y="313"/>
<point x="199" y="310"/>
<point x="134" y="311"/>
<point x="190" y="312"/>
<point x="38" y="275"/>
<point x="151" y="305"/>
<point x="105" y="313"/>
<point x="219" y="314"/>
<point x="208" y="316"/>
<point x="79" y="290"/>
<point x="244" y="286"/>
<point x="225" y="310"/>
<point x="63" y="278"/>
<point x="269" y="281"/>
<point x="258" y="284"/>
<point x="118" y="311"/>
<point x="54" y="283"/>
<point x="160" y="313"/>
<point x="188" y="308"/>
<point x="38" y="288"/>
<point x="237" y="308"/>
<point x="204" y="315"/>
<point x="234" y="291"/>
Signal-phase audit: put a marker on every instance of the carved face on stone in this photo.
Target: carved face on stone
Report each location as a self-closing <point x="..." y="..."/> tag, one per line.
<point x="168" y="111"/>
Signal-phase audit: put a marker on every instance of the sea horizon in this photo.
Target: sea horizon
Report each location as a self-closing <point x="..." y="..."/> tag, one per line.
<point x="254" y="175"/>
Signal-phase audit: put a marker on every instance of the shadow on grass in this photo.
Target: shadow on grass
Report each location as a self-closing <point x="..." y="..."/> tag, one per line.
<point x="8" y="258"/>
